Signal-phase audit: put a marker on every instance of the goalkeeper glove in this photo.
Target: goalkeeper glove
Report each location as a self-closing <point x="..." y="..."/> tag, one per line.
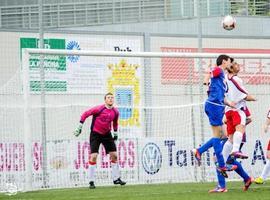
<point x="78" y="130"/>
<point x="115" y="135"/>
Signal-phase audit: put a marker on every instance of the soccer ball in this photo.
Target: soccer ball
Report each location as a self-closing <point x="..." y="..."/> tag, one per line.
<point x="228" y="22"/>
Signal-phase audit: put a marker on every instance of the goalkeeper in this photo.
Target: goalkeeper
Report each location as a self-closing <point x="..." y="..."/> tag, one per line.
<point x="104" y="116"/>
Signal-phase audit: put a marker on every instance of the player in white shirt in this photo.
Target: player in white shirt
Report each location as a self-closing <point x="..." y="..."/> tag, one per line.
<point x="236" y="117"/>
<point x="266" y="169"/>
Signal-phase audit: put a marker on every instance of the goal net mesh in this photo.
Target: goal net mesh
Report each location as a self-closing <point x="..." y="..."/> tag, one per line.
<point x="161" y="119"/>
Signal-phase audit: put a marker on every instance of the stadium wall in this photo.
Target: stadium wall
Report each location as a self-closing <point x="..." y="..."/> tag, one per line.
<point x="245" y="26"/>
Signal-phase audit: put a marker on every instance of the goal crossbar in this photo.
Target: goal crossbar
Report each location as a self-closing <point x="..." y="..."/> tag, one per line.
<point x="144" y="54"/>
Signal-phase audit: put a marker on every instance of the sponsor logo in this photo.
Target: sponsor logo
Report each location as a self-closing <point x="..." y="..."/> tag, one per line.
<point x="117" y="48"/>
<point x="151" y="158"/>
<point x="73" y="45"/>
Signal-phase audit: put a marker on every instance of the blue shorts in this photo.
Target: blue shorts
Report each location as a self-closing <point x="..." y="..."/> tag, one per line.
<point x="215" y="113"/>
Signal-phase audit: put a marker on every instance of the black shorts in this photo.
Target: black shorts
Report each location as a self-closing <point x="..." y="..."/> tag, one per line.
<point x="107" y="140"/>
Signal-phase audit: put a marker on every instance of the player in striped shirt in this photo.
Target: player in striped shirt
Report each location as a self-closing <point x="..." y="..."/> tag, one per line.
<point x="104" y="117"/>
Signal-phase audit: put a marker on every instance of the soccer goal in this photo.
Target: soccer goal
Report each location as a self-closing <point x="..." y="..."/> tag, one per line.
<point x="160" y="97"/>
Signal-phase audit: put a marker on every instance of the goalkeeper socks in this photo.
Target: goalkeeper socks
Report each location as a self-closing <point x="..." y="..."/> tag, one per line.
<point x="206" y="146"/>
<point x="218" y="151"/>
<point x="227" y="148"/>
<point x="237" y="139"/>
<point x="266" y="170"/>
<point x="92" y="170"/>
<point x="115" y="170"/>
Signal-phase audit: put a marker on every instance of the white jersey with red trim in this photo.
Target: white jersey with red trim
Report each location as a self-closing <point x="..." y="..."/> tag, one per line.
<point x="236" y="92"/>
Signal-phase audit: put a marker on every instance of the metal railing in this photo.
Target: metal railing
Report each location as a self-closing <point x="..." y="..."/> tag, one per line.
<point x="251" y="7"/>
<point x="95" y="12"/>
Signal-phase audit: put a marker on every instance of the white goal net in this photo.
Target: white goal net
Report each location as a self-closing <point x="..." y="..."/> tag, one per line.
<point x="160" y="98"/>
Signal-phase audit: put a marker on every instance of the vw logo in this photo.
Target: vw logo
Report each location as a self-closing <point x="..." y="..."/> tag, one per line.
<point x="151" y="158"/>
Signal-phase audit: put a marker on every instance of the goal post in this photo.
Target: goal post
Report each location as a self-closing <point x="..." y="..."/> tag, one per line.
<point x="27" y="125"/>
<point x="163" y="155"/>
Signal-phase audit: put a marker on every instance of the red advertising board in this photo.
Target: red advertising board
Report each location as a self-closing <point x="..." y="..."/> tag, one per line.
<point x="186" y="70"/>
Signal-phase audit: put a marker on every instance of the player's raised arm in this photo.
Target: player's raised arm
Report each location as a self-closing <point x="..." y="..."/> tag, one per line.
<point x="88" y="113"/>
<point x="84" y="116"/>
<point x="250" y="98"/>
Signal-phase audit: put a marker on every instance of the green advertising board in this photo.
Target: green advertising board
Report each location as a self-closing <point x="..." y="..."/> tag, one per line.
<point x="54" y="65"/>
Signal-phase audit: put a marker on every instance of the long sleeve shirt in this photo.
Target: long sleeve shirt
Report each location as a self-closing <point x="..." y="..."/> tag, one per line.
<point x="103" y="119"/>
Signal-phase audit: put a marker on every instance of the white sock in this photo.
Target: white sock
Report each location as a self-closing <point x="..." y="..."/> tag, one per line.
<point x="115" y="171"/>
<point x="266" y="170"/>
<point x="237" y="139"/>
<point x="92" y="171"/>
<point x="227" y="149"/>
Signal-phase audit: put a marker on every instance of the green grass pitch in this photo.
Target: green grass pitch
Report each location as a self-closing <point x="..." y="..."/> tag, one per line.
<point x="181" y="191"/>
